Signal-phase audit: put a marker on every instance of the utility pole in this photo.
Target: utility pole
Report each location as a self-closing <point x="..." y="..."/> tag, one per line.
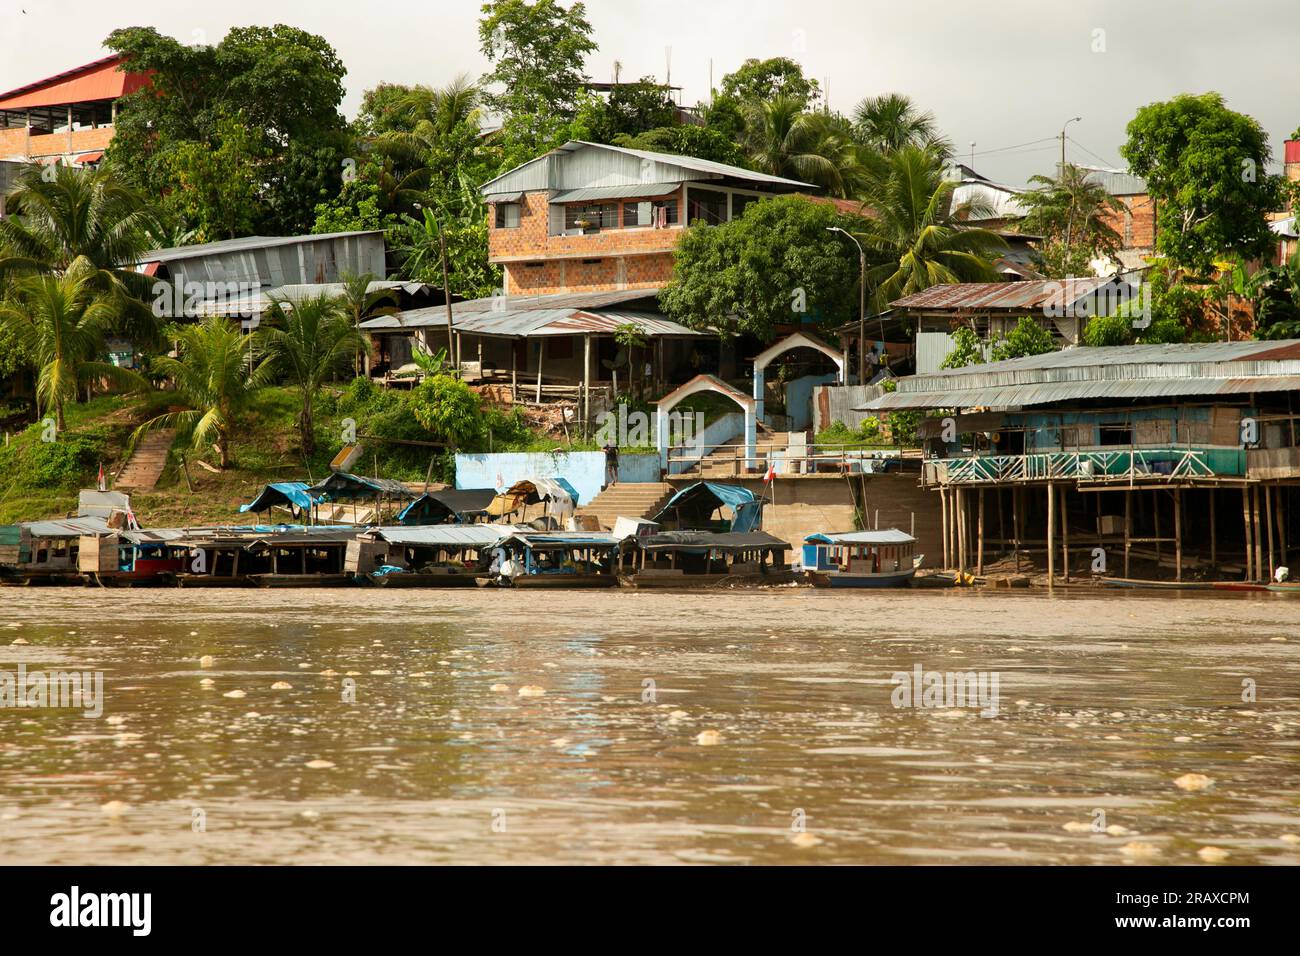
<point x="1072" y="119"/>
<point x="862" y="305"/>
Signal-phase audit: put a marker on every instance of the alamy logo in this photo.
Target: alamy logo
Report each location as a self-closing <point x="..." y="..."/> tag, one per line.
<point x="83" y="690"/>
<point x="631" y="429"/>
<point x="930" y="690"/>
<point x="103" y="909"/>
<point x="1132" y="300"/>
<point x="191" y="300"/>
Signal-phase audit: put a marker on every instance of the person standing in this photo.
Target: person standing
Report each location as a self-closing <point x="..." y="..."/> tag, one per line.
<point x="611" y="463"/>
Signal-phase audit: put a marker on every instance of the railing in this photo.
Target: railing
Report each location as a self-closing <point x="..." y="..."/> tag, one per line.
<point x="1119" y="465"/>
<point x="788" y="460"/>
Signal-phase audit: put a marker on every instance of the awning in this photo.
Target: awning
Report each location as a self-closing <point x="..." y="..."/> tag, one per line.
<point x="695" y="504"/>
<point x="639" y="190"/>
<point x="878" y="537"/>
<point x="436" y="507"/>
<point x="534" y="491"/>
<point x="86" y="158"/>
<point x="730" y="542"/>
<point x="964" y="424"/>
<point x="283" y="494"/>
<point x="342" y="486"/>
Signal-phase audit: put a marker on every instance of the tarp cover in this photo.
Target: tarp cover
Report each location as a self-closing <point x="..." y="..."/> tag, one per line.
<point x="343" y="486"/>
<point x="448" y="505"/>
<point x="280" y="493"/>
<point x="881" y="536"/>
<point x="694" y="505"/>
<point x="711" y="541"/>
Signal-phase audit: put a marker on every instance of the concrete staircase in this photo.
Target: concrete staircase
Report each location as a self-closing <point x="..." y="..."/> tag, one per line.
<point x="627" y="500"/>
<point x="145" y="467"/>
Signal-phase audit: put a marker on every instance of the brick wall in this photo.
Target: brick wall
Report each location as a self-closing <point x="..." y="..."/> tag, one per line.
<point x="1135" y="223"/>
<point x="628" y="258"/>
<point x="14" y="143"/>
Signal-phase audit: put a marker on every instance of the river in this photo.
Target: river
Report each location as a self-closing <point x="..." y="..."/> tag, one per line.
<point x="721" y="727"/>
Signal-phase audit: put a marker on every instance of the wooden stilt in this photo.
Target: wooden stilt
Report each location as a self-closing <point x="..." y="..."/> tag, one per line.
<point x="1128" y="527"/>
<point x="943" y="521"/>
<point x="1214" y="531"/>
<point x="1015" y="521"/>
<point x="1002" y="524"/>
<point x="1268" y="520"/>
<point x="1255" y="511"/>
<point x="1178" y="534"/>
<point x="1051" y="534"/>
<point x="961" y="529"/>
<point x="1065" y="538"/>
<point x="979" y="554"/>
<point x="541" y="353"/>
<point x="1245" y="516"/>
<point x="1155" y="516"/>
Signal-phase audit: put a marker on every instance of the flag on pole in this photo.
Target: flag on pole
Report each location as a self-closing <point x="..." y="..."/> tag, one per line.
<point x="771" y="472"/>
<point x="102" y="484"/>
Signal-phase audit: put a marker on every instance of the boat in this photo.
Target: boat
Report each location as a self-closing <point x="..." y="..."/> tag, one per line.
<point x="570" y="559"/>
<point x="1283" y="587"/>
<point x="883" y="558"/>
<point x="132" y="558"/>
<point x="692" y="559"/>
<point x="425" y="556"/>
<point x="1138" y="584"/>
<point x="310" y="580"/>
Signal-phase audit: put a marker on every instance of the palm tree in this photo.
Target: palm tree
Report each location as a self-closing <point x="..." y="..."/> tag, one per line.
<point x="1071" y="210"/>
<point x="60" y="321"/>
<point x="210" y="371"/>
<point x="888" y="122"/>
<point x="361" y="304"/>
<point x="916" y="233"/>
<point x="60" y="215"/>
<point x="783" y="140"/>
<point x="308" y="341"/>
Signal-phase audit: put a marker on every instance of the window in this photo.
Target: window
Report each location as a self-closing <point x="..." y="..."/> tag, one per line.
<point x="707" y="205"/>
<point x="1115" y="434"/>
<point x="591" y="218"/>
<point x="739" y="203"/>
<point x="507" y="215"/>
<point x="650" y="214"/>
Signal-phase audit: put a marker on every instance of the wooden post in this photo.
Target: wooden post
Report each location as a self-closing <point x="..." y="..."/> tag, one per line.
<point x="1245" y="514"/>
<point x="1281" y="527"/>
<point x="1051" y="534"/>
<point x="979" y="554"/>
<point x="1255" y="510"/>
<point x="1178" y="534"/>
<point x="1155" y="516"/>
<point x="960" y="545"/>
<point x="514" y="372"/>
<point x="586" y="383"/>
<point x="1128" y="525"/>
<point x="541" y="353"/>
<point x="1015" y="522"/>
<point x="1268" y="520"/>
<point x="1214" y="531"/>
<point x="1065" y="538"/>
<point x="943" y="523"/>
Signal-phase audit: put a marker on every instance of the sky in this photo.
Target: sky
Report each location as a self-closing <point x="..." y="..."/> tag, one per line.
<point x="1004" y="76"/>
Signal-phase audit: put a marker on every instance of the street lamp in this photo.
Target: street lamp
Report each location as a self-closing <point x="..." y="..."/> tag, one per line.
<point x="862" y="304"/>
<point x="1072" y="119"/>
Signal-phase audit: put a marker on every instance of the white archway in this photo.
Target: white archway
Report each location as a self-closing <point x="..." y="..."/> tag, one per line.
<point x="796" y="340"/>
<point x="707" y="383"/>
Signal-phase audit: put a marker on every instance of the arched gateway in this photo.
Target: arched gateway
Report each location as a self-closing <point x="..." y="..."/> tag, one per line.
<point x="708" y="383"/>
<point x="797" y="340"/>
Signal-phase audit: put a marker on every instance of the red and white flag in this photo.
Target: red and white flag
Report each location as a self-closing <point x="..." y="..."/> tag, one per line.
<point x="771" y="472"/>
<point x="102" y="485"/>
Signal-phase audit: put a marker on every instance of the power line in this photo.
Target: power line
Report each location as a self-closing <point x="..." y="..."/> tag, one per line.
<point x="1108" y="163"/>
<point x="1004" y="149"/>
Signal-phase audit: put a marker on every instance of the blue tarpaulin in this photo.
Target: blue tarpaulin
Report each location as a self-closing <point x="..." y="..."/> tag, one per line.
<point x="280" y="493"/>
<point x="693" y="507"/>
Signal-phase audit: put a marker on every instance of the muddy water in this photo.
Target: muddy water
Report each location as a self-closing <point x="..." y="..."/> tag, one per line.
<point x="1103" y="702"/>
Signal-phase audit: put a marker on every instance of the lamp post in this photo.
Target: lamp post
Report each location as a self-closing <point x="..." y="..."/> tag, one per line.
<point x="1072" y="119"/>
<point x="862" y="304"/>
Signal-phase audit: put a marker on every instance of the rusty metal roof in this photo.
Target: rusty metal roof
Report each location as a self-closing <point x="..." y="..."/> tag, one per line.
<point x="1030" y="295"/>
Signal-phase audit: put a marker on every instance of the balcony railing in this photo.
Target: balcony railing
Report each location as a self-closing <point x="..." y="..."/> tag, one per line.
<point x="1147" y="465"/>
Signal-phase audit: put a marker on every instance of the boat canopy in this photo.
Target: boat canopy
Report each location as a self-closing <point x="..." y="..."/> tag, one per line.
<point x="881" y="536"/>
<point x="343" y="486"/>
<point x="693" y="506"/>
<point x="531" y="491"/>
<point x="554" y="541"/>
<point x="444" y="535"/>
<point x="701" y="541"/>
<point x="447" y="506"/>
<point x="283" y="493"/>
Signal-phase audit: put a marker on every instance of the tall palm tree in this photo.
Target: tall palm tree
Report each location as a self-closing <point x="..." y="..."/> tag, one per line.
<point x="915" y="233"/>
<point x="211" y="375"/>
<point x="1072" y="209"/>
<point x="890" y="121"/>
<point x="308" y="340"/>
<point x="60" y="321"/>
<point x="783" y="140"/>
<point x="61" y="215"/>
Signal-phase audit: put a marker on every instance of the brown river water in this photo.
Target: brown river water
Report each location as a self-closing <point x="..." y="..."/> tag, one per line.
<point x="1104" y="700"/>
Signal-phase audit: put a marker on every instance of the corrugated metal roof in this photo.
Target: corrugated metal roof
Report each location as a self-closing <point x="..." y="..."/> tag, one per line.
<point x="1010" y="296"/>
<point x="879" y="536"/>
<point x="255" y="303"/>
<point x="1117" y="182"/>
<point x="66" y="527"/>
<point x="1121" y="372"/>
<point x="244" y="244"/>
<point x="506" y="305"/>
<point x="616" y="192"/>
<point x="92" y="82"/>
<point x="468" y="535"/>
<point x="710" y="540"/>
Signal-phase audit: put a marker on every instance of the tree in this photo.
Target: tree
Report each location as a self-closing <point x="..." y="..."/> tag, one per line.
<point x="60" y="215"/>
<point x="760" y="80"/>
<point x="60" y="321"/>
<point x="1204" y="165"/>
<point x="1106" y="330"/>
<point x="308" y="341"/>
<point x="686" y="140"/>
<point x="450" y="409"/>
<point x="634" y="108"/>
<point x="774" y="265"/>
<point x="282" y="84"/>
<point x="1277" y="307"/>
<point x="1027" y="338"/>
<point x="211" y="376"/>
<point x="360" y="303"/>
<point x="967" y="349"/>
<point x="891" y="121"/>
<point x="537" y="52"/>
<point x="915" y="235"/>
<point x="783" y="140"/>
<point x="1070" y="211"/>
<point x="216" y="183"/>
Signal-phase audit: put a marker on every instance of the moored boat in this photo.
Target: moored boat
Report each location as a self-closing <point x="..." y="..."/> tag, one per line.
<point x="883" y="558"/>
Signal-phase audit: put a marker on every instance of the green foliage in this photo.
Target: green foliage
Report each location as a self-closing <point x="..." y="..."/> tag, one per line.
<point x="1277" y="304"/>
<point x="1163" y="331"/>
<point x="967" y="349"/>
<point x="449" y="409"/>
<point x="1027" y="338"/>
<point x="632" y="109"/>
<point x="537" y="51"/>
<point x="1108" y="330"/>
<point x="687" y="140"/>
<point x="1069" y="211"/>
<point x="1205" y="166"/>
<point x="889" y="122"/>
<point x="782" y="139"/>
<point x="772" y="266"/>
<point x="30" y="464"/>
<point x="282" y="84"/>
<point x="759" y="80"/>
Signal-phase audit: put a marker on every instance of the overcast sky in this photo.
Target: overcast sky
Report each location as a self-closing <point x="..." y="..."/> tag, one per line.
<point x="1000" y="74"/>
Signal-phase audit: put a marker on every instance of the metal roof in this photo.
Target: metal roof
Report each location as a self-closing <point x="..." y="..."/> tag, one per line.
<point x="259" y="301"/>
<point x="66" y="527"/>
<point x="92" y="82"/>
<point x="464" y="535"/>
<point x="616" y="192"/>
<point x="1118" y="372"/>
<point x="506" y="305"/>
<point x="1117" y="182"/>
<point x="710" y="540"/>
<point x="245" y="244"/>
<point x="879" y="536"/>
<point x="344" y="486"/>
<point x="1005" y="296"/>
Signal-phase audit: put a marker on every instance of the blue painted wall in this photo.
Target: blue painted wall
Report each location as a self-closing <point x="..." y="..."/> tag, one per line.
<point x="585" y="470"/>
<point x="798" y="399"/>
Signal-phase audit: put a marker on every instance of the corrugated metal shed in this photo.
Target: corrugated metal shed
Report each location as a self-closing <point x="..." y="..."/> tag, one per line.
<point x="505" y="305"/>
<point x="66" y="527"/>
<point x="255" y="303"/>
<point x="271" y="261"/>
<point x="1118" y="373"/>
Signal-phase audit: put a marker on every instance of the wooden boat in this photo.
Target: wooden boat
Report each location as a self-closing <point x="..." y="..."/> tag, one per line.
<point x="441" y="578"/>
<point x="702" y="559"/>
<point x="559" y="579"/>
<point x="191" y="580"/>
<point x="1135" y="583"/>
<point x="424" y="556"/>
<point x="1283" y="587"/>
<point x="566" y="559"/>
<point x="883" y="558"/>
<point x="324" y="580"/>
<point x="1238" y="586"/>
